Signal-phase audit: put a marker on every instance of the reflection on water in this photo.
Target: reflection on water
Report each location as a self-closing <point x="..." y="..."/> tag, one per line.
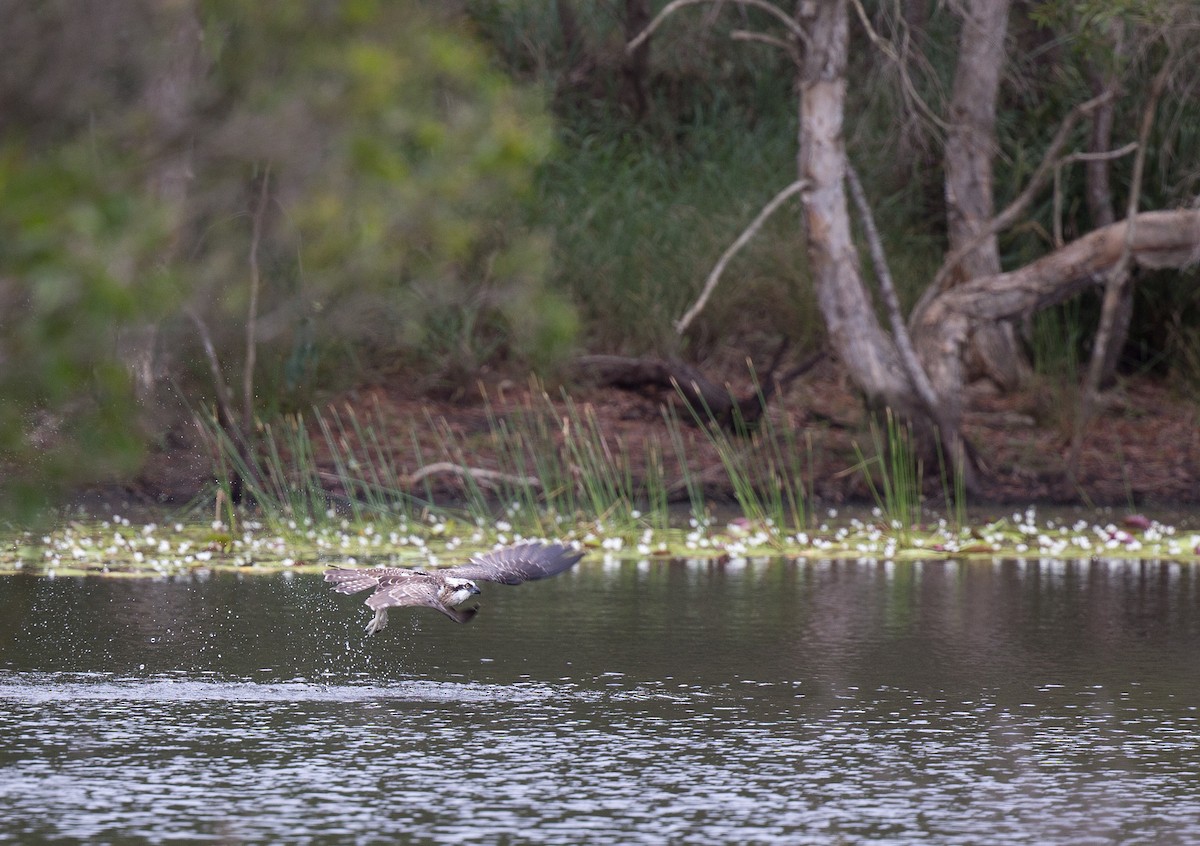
<point x="771" y="702"/>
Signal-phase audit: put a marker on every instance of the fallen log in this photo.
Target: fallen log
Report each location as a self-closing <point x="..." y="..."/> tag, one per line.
<point x="707" y="400"/>
<point x="1159" y="239"/>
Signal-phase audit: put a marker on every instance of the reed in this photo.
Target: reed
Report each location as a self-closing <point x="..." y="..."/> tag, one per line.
<point x="556" y="470"/>
<point x="529" y="450"/>
<point x="954" y="488"/>
<point x="283" y="485"/>
<point x="894" y="474"/>
<point x="788" y="466"/>
<point x="762" y="465"/>
<point x="687" y="481"/>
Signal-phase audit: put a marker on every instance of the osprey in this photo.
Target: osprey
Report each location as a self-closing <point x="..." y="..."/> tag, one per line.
<point x="444" y="589"/>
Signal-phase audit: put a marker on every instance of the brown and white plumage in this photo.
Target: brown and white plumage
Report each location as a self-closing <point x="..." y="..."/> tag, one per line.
<point x="445" y="589"/>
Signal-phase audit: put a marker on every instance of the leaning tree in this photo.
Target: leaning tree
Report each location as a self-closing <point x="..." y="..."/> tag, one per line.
<point x="919" y="367"/>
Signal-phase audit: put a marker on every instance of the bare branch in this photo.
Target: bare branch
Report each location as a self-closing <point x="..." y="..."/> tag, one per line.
<point x="949" y="432"/>
<point x="1079" y="157"/>
<point x="761" y="37"/>
<point x="1100" y="156"/>
<point x="484" y="477"/>
<point x="1161" y="239"/>
<point x="885" y="47"/>
<point x="252" y="308"/>
<point x="220" y="388"/>
<point x="710" y="283"/>
<point x="908" y="355"/>
<point x="224" y="399"/>
<point x="1017" y="207"/>
<point x="783" y="17"/>
<point x="1118" y="278"/>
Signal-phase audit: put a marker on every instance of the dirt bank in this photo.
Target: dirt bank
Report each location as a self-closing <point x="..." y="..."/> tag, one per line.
<point x="1142" y="450"/>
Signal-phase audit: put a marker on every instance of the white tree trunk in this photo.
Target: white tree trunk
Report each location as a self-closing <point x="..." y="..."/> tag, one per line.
<point x="854" y="332"/>
<point x="969" y="185"/>
<point x="971" y="140"/>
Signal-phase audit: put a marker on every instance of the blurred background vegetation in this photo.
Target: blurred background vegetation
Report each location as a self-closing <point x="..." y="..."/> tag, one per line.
<point x="268" y="201"/>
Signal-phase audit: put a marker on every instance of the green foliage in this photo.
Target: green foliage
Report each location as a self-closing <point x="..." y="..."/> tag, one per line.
<point x="425" y="212"/>
<point x="1089" y="22"/>
<point x="900" y="472"/>
<point x="639" y="228"/>
<point x="76" y="264"/>
<point x="764" y="465"/>
<point x="403" y="161"/>
<point x="396" y="161"/>
<point x="643" y="201"/>
<point x="555" y="469"/>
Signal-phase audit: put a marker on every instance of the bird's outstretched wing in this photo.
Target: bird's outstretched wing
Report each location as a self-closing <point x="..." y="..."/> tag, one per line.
<point x="397" y="586"/>
<point x="352" y="581"/>
<point x="515" y="564"/>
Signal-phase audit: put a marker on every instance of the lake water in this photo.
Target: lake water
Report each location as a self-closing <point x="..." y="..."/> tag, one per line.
<point x="772" y="702"/>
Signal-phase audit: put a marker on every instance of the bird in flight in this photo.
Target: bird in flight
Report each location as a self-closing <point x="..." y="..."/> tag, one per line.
<point x="445" y="589"/>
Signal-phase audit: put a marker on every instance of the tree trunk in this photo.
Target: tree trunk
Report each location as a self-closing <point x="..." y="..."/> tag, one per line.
<point x="869" y="353"/>
<point x="969" y="151"/>
<point x="971" y="298"/>
<point x="1099" y="194"/>
<point x="971" y="141"/>
<point x="854" y="332"/>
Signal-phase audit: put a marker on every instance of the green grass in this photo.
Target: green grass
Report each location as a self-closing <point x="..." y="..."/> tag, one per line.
<point x="551" y="466"/>
<point x="340" y="473"/>
<point x="764" y="466"/>
<point x="954" y="488"/>
<point x="639" y="227"/>
<point x="894" y="474"/>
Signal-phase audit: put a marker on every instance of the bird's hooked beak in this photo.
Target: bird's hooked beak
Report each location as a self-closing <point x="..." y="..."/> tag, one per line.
<point x="475" y="591"/>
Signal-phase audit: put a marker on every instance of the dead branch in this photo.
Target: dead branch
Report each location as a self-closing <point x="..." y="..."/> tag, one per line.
<point x="487" y="478"/>
<point x="750" y="231"/>
<point x="220" y="387"/>
<point x="1158" y="239"/>
<point x="706" y="399"/>
<point x="1071" y="159"/>
<point x="762" y="38"/>
<point x="224" y="401"/>
<point x="1118" y="278"/>
<point x="908" y="356"/>
<point x="885" y="47"/>
<point x="1016" y="208"/>
<point x="660" y="374"/>
<point x="252" y="308"/>
<point x="783" y="17"/>
<point x="961" y="455"/>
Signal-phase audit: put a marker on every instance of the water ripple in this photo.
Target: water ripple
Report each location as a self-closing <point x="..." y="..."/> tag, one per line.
<point x="98" y="758"/>
<point x="783" y="704"/>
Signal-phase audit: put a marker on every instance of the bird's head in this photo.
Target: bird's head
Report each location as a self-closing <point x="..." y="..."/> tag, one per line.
<point x="458" y="590"/>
